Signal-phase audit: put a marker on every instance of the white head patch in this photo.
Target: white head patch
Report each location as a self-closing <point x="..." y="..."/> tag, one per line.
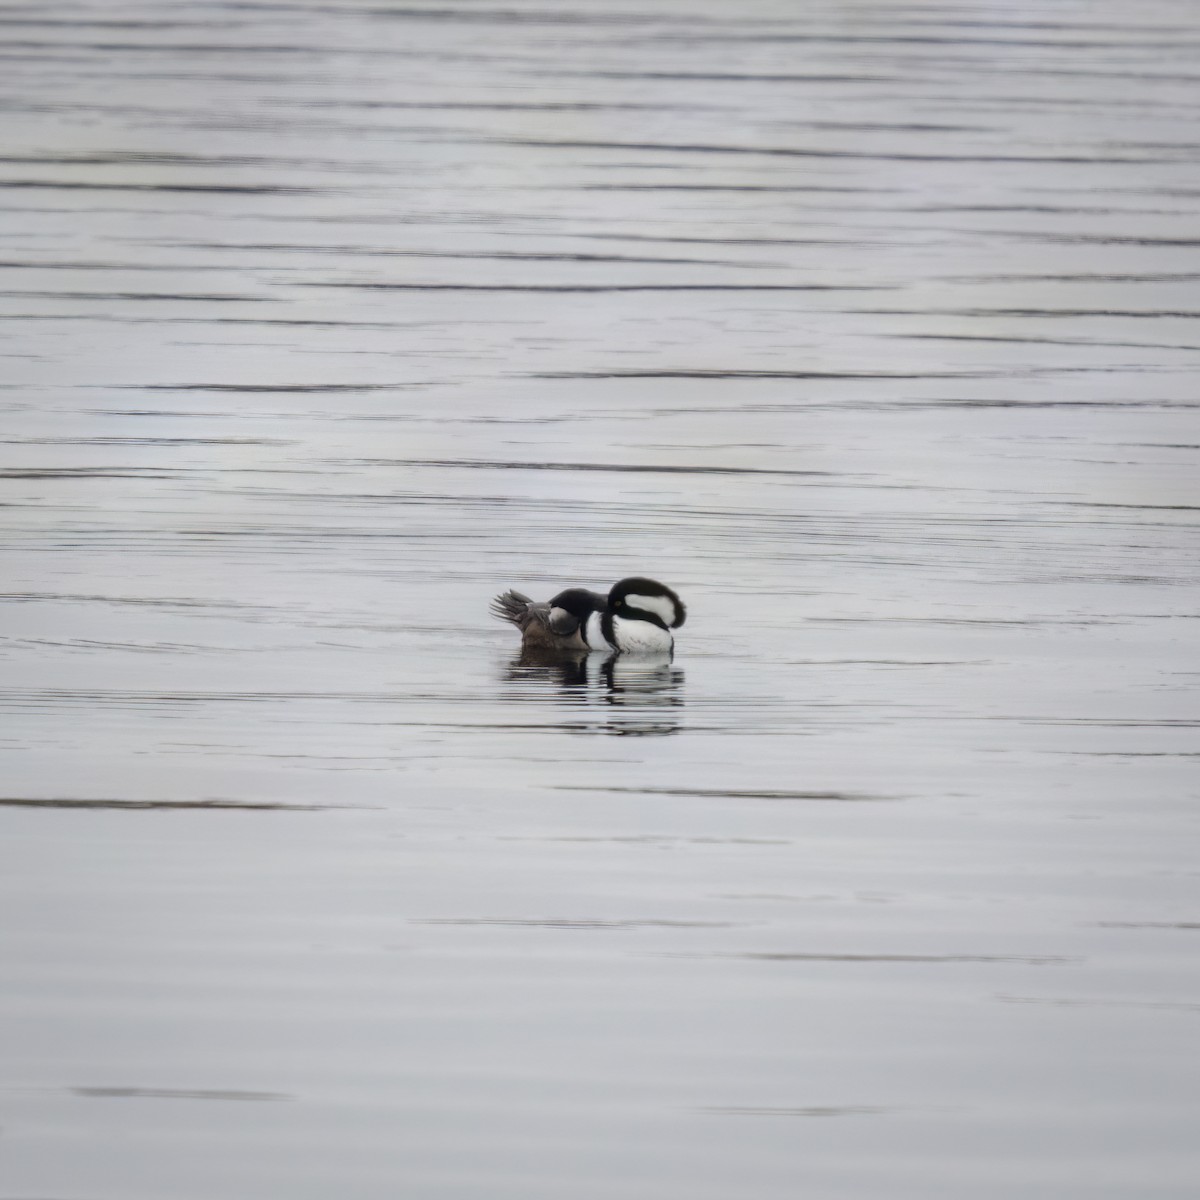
<point x="660" y="606"/>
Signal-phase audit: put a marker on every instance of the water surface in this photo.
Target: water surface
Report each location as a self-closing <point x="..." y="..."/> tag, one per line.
<point x="869" y="327"/>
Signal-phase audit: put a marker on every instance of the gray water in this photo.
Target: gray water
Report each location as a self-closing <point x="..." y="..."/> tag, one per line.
<point x="869" y="327"/>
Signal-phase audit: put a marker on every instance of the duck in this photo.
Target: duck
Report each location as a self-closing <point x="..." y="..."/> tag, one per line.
<point x="636" y="617"/>
<point x="560" y="625"/>
<point x="639" y="616"/>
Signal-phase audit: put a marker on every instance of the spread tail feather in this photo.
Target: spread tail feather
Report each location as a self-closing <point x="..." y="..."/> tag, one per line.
<point x="511" y="606"/>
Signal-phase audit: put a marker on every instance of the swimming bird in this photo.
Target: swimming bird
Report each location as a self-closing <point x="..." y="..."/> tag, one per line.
<point x="640" y="615"/>
<point x="636" y="617"/>
<point x="561" y="625"/>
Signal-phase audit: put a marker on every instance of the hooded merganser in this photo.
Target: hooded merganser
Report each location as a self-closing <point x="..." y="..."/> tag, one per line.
<point x="636" y="617"/>
<point x="640" y="615"/>
<point x="561" y="625"/>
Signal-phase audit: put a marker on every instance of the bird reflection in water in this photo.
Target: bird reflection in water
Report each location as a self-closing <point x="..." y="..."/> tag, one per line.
<point x="624" y="695"/>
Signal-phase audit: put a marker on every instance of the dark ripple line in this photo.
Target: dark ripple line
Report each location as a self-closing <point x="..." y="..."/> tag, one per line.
<point x="1039" y="341"/>
<point x="152" y="601"/>
<point x="80" y="23"/>
<point x="891" y="126"/>
<point x="945" y="22"/>
<point x="1036" y="960"/>
<point x="1107" y="239"/>
<point x="1188" y="925"/>
<point x="607" y="287"/>
<point x="1081" y="1002"/>
<point x="722" y="187"/>
<point x="1084" y="277"/>
<point x="503" y="106"/>
<point x="205" y="297"/>
<point x="88" y="473"/>
<point x="715" y="241"/>
<point x="725" y="793"/>
<point x="1068" y="73"/>
<point x="922" y="40"/>
<point x="248" y="189"/>
<point x="515" y="16"/>
<point x="68" y="802"/>
<point x="1180" y="314"/>
<point x="840" y="1110"/>
<point x="634" y="373"/>
<point x="176" y="268"/>
<point x="979" y="402"/>
<point x="489" y="255"/>
<point x="285" y="388"/>
<point x="122" y="319"/>
<point x="115" y="696"/>
<point x="145" y="441"/>
<point x="168" y="158"/>
<point x="729" y="76"/>
<point x="222" y="48"/>
<point x="795" y="152"/>
<point x="569" y="923"/>
<point x="635" y="468"/>
<point x="129" y="1093"/>
<point x="1113" y="504"/>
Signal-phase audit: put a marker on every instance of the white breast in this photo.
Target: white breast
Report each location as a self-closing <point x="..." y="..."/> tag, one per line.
<point x="592" y="633"/>
<point x="641" y="637"/>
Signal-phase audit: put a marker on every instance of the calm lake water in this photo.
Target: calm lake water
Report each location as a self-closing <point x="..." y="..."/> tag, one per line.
<point x="870" y="327"/>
